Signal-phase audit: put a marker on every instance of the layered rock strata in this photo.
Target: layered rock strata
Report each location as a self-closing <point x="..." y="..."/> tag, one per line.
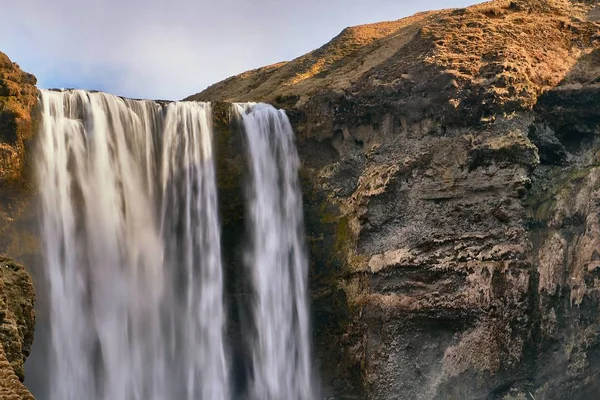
<point x="451" y="177"/>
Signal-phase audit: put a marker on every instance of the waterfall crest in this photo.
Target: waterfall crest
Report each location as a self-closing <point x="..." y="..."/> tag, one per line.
<point x="277" y="259"/>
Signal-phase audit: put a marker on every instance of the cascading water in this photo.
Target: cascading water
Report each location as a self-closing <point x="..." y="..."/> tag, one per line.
<point x="133" y="254"/>
<point x="277" y="260"/>
<point x="132" y="249"/>
<point x="192" y="238"/>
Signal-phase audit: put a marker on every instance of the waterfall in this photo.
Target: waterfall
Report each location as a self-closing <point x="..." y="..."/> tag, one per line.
<point x="277" y="260"/>
<point x="132" y="251"/>
<point x="192" y="238"/>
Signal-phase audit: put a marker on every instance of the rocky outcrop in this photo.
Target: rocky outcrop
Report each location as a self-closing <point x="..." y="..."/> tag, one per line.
<point x="18" y="100"/>
<point x="17" y="319"/>
<point x="451" y="191"/>
<point x="18" y="122"/>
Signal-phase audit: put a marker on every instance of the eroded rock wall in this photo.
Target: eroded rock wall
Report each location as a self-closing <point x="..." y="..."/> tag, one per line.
<point x="450" y="176"/>
<point x="17" y="319"/>
<point x="18" y="238"/>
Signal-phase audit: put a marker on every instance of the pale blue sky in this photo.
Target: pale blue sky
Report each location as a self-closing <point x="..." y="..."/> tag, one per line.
<point x="169" y="49"/>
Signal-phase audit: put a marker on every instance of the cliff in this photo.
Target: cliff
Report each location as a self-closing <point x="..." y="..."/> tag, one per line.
<point x="18" y="122"/>
<point x="18" y="99"/>
<point x="452" y="181"/>
<point x="17" y="320"/>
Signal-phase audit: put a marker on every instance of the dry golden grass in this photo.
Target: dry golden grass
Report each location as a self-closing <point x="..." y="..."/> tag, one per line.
<point x="336" y="65"/>
<point x="515" y="50"/>
<point x="505" y="52"/>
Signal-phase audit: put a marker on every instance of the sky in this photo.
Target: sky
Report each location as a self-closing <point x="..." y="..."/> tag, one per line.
<point x="169" y="49"/>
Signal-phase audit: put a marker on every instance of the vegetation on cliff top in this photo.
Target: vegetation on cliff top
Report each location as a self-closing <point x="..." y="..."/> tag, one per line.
<point x="498" y="56"/>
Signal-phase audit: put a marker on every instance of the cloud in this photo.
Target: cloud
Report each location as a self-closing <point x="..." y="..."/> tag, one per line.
<point x="172" y="48"/>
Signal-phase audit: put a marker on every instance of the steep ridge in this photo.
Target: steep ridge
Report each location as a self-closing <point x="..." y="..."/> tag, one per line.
<point x="450" y="165"/>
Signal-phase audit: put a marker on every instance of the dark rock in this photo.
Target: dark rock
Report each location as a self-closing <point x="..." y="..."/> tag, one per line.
<point x="551" y="150"/>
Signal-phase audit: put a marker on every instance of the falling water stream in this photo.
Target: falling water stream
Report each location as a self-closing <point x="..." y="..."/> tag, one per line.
<point x="277" y="260"/>
<point x="132" y="252"/>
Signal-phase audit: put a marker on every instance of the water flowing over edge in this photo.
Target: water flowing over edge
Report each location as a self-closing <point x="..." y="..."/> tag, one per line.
<point x="277" y="258"/>
<point x="132" y="246"/>
<point x="131" y="241"/>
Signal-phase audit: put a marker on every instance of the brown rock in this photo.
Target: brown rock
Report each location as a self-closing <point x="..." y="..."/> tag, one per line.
<point x="452" y="193"/>
<point x="18" y="99"/>
<point x="17" y="319"/>
<point x="18" y="232"/>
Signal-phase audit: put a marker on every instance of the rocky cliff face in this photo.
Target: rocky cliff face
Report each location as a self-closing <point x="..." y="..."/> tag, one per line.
<point x="17" y="320"/>
<point x="18" y="99"/>
<point x="452" y="191"/>
<point x="18" y="122"/>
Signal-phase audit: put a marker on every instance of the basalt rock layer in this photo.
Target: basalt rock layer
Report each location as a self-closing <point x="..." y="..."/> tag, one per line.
<point x="451" y="169"/>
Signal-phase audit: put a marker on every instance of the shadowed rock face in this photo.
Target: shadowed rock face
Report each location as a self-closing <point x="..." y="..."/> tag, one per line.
<point x="451" y="194"/>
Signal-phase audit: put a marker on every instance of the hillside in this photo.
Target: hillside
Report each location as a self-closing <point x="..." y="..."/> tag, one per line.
<point x="451" y="175"/>
<point x="499" y="55"/>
